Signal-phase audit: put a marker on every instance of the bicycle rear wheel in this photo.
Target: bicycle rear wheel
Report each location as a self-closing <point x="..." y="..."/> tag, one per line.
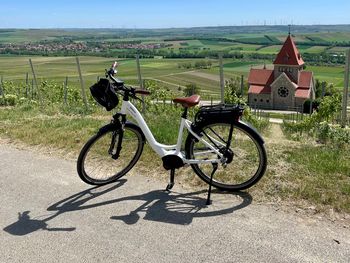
<point x="96" y="164"/>
<point x="246" y="156"/>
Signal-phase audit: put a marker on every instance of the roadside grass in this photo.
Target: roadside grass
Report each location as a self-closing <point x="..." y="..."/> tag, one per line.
<point x="302" y="173"/>
<point x="323" y="173"/>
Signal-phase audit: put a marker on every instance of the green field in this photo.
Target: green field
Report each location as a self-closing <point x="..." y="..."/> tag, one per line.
<point x="250" y="39"/>
<point x="165" y="71"/>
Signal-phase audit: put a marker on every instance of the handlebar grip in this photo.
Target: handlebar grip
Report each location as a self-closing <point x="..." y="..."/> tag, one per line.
<point x="114" y="65"/>
<point x="142" y="92"/>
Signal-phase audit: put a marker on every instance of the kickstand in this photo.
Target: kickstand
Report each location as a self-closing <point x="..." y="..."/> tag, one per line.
<point x="215" y="167"/>
<point x="171" y="183"/>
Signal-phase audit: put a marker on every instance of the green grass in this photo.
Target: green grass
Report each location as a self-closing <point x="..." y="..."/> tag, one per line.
<point x="274" y="49"/>
<point x="237" y="64"/>
<point x="323" y="174"/>
<point x="315" y="49"/>
<point x="331" y="74"/>
<point x="338" y="50"/>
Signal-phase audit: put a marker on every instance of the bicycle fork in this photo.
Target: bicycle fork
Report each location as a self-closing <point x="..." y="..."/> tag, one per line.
<point x="116" y="155"/>
<point x="119" y="132"/>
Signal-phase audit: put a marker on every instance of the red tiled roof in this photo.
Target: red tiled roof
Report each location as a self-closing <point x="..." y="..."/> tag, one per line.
<point x="302" y="93"/>
<point x="256" y="89"/>
<point x="289" y="54"/>
<point x="305" y="79"/>
<point x="260" y="77"/>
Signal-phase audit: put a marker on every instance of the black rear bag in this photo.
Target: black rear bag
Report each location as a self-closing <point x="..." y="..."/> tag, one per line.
<point x="227" y="113"/>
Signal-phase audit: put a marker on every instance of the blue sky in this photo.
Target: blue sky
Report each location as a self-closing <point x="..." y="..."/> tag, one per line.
<point x="164" y="14"/>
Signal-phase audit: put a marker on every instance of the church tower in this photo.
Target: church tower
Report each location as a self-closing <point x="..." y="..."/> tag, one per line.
<point x="289" y="61"/>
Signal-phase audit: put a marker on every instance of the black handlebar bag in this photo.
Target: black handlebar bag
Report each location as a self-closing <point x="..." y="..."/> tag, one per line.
<point x="104" y="93"/>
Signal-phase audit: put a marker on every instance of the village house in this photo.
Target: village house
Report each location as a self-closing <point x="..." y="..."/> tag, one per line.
<point x="285" y="87"/>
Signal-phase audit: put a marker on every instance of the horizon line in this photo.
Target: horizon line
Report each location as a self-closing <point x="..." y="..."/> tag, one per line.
<point x="189" y="27"/>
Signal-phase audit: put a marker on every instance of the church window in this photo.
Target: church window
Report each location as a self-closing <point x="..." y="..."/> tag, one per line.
<point x="283" y="92"/>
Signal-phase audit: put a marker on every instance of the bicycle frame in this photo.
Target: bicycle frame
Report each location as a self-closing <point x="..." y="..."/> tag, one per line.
<point x="162" y="149"/>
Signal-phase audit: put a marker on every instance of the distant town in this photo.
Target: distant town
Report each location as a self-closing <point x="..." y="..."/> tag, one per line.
<point x="53" y="47"/>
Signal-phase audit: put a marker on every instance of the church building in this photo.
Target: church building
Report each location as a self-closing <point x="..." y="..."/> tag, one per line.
<point x="286" y="87"/>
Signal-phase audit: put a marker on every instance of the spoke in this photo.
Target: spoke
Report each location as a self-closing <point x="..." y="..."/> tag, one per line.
<point x="214" y="141"/>
<point x="217" y="135"/>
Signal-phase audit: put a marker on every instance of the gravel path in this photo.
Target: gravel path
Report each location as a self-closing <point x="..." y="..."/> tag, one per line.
<point x="49" y="215"/>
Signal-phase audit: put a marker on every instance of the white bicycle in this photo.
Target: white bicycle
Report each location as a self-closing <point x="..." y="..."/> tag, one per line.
<point x="222" y="150"/>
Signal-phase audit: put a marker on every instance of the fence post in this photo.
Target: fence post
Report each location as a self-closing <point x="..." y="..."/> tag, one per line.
<point x="242" y="86"/>
<point x="81" y="83"/>
<point x="32" y="89"/>
<point x="36" y="82"/>
<point x="140" y="81"/>
<point x="346" y="89"/>
<point x="27" y="83"/>
<point x="2" y="89"/>
<point x="65" y="91"/>
<point x="323" y="88"/>
<point x="222" y="81"/>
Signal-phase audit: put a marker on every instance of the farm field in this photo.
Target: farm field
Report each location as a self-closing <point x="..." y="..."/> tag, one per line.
<point x="166" y="71"/>
<point x="244" y="39"/>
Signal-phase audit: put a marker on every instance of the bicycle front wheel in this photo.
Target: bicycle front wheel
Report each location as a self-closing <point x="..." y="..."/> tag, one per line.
<point x="245" y="158"/>
<point x="97" y="162"/>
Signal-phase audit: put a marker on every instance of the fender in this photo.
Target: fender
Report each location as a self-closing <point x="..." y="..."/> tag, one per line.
<point x="117" y="125"/>
<point x="196" y="127"/>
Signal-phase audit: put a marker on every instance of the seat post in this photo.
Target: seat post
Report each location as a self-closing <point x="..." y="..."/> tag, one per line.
<point x="184" y="114"/>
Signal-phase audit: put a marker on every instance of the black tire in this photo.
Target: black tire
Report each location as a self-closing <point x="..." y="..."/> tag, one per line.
<point x="249" y="160"/>
<point x="97" y="167"/>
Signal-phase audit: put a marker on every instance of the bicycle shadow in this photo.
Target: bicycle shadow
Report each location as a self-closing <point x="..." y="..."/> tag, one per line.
<point x="26" y="225"/>
<point x="159" y="205"/>
<point x="180" y="208"/>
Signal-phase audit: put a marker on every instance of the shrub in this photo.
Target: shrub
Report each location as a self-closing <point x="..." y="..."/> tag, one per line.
<point x="318" y="125"/>
<point x="191" y="89"/>
<point x="260" y="124"/>
<point x="315" y="104"/>
<point x="10" y="100"/>
<point x="233" y="86"/>
<point x="334" y="134"/>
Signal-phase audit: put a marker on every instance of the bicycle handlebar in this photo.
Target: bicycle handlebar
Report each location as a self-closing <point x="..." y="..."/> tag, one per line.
<point x="112" y="71"/>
